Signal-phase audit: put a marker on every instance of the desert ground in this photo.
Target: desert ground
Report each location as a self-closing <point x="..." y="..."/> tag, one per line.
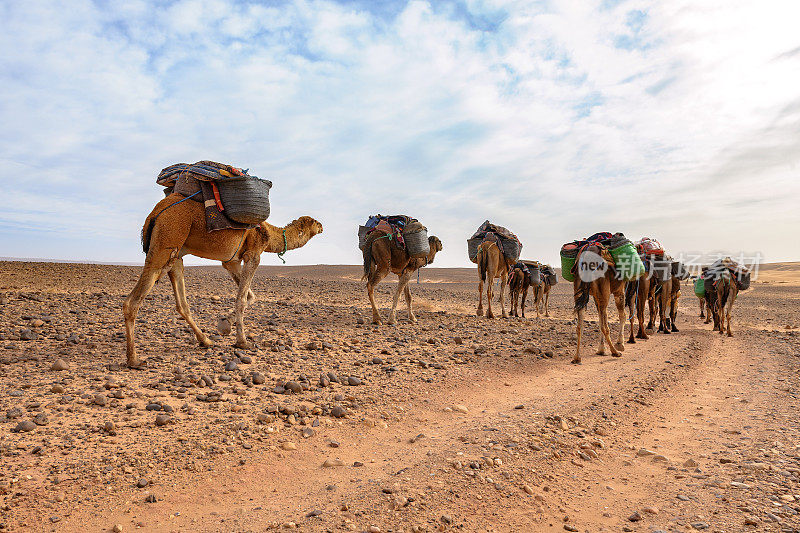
<point x="332" y="424"/>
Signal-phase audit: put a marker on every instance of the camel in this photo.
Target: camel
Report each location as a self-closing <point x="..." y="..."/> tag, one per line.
<point x="601" y="290"/>
<point x="519" y="282"/>
<point x="175" y="228"/>
<point x="542" y="298"/>
<point x="492" y="264"/>
<point x="381" y="256"/>
<point x="730" y="278"/>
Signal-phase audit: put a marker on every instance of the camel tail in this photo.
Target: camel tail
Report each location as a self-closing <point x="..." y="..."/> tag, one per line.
<point x="483" y="264"/>
<point x="581" y="295"/>
<point x="630" y="292"/>
<point x="724" y="298"/>
<point x="368" y="260"/>
<point x="147" y="232"/>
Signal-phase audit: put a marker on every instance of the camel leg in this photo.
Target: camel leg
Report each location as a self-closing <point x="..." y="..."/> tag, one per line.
<point x="234" y="268"/>
<point x="547" y="304"/>
<point x="673" y="313"/>
<point x="620" y="301"/>
<point x="605" y="329"/>
<point x="702" y="307"/>
<point x="576" y="360"/>
<point x="401" y="285"/>
<point x="245" y="279"/>
<point x="729" y="310"/>
<point x="651" y="303"/>
<point x="480" y="298"/>
<point x="372" y="282"/>
<point x="641" y="301"/>
<point x="411" y="316"/>
<point x="182" y="304"/>
<point x="153" y="264"/>
<point x="524" y="297"/>
<point x="489" y="294"/>
<point x="503" y="283"/>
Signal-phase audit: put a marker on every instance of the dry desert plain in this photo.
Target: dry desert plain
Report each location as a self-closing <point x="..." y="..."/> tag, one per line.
<point x="331" y="424"/>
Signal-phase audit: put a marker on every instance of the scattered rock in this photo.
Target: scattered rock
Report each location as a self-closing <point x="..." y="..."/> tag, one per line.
<point x="59" y="364"/>
<point x="25" y="426"/>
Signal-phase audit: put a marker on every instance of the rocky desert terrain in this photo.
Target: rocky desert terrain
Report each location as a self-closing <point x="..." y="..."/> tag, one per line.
<point x="332" y="424"/>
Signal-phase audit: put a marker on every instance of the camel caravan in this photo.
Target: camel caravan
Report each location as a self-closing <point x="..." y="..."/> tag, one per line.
<point x="216" y="211"/>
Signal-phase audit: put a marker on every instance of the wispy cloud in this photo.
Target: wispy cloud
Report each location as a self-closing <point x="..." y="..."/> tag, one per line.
<point x="558" y="119"/>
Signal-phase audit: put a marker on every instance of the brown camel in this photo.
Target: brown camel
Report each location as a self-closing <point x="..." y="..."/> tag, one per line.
<point x="518" y="284"/>
<point x="601" y="290"/>
<point x="174" y="229"/>
<point x="381" y="256"/>
<point x="492" y="264"/>
<point x="679" y="273"/>
<point x="542" y="298"/>
<point x="731" y="278"/>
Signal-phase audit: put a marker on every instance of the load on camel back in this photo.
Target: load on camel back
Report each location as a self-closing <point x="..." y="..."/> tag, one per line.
<point x="508" y="243"/>
<point x="232" y="198"/>
<point x="406" y="232"/>
<point x="618" y="253"/>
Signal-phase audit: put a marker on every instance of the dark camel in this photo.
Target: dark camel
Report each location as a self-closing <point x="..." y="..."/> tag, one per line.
<point x="382" y="256"/>
<point x="181" y="230"/>
<point x="519" y="282"/>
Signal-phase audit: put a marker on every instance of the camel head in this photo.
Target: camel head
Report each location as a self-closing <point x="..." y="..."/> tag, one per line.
<point x="435" y="245"/>
<point x="307" y="227"/>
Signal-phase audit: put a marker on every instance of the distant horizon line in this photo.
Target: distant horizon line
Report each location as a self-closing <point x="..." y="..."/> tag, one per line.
<point x="129" y="263"/>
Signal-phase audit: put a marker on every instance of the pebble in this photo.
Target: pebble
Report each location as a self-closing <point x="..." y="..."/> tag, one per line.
<point x="293" y="386"/>
<point x="258" y="378"/>
<point x="100" y="399"/>
<point x="330" y="463"/>
<point x="230" y="366"/>
<point x="117" y="528"/>
<point x="644" y="452"/>
<point x="143" y="482"/>
<point x="224" y="326"/>
<point x="690" y="463"/>
<point x="14" y="412"/>
<point x="57" y="389"/>
<point x="354" y="381"/>
<point x="635" y="517"/>
<point x="459" y="408"/>
<point x="40" y="419"/>
<point x="59" y="364"/>
<point x="338" y="411"/>
<point x="25" y="426"/>
<point x="289" y="446"/>
<point x="163" y="419"/>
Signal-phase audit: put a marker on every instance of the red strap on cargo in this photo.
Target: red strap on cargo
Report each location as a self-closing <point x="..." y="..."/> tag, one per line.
<point x="216" y="196"/>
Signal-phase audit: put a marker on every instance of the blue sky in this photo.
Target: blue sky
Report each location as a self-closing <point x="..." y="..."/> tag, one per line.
<point x="678" y="120"/>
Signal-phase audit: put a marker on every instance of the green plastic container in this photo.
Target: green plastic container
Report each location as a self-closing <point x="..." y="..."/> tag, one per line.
<point x="700" y="288"/>
<point x="627" y="261"/>
<point x="569" y="253"/>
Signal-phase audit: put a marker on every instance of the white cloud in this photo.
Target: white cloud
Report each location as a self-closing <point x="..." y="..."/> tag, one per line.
<point x="677" y="120"/>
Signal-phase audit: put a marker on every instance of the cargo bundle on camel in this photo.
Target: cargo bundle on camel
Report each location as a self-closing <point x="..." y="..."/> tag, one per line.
<point x="495" y="250"/>
<point x="399" y="244"/>
<point x="227" y="226"/>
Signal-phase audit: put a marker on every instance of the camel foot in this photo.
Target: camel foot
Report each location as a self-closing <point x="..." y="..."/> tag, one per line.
<point x="137" y="364"/>
<point x="631" y="341"/>
<point x="666" y="331"/>
<point x="649" y="331"/>
<point x="642" y="335"/>
<point x="489" y="315"/>
<point x="205" y="342"/>
<point x="377" y="321"/>
<point x="616" y="354"/>
<point x="413" y="320"/>
<point x="730" y="334"/>
<point x="600" y="352"/>
<point x="675" y="330"/>
<point x="619" y="346"/>
<point x="480" y="312"/>
<point x="576" y="361"/>
<point x="244" y="345"/>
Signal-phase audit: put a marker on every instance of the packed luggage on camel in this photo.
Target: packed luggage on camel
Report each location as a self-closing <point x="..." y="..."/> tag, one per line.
<point x="495" y="250"/>
<point x="600" y="266"/>
<point x="229" y="225"/>
<point x="398" y="244"/>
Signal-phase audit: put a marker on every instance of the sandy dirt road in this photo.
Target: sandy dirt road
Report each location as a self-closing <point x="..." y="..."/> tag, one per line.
<point x="689" y="431"/>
